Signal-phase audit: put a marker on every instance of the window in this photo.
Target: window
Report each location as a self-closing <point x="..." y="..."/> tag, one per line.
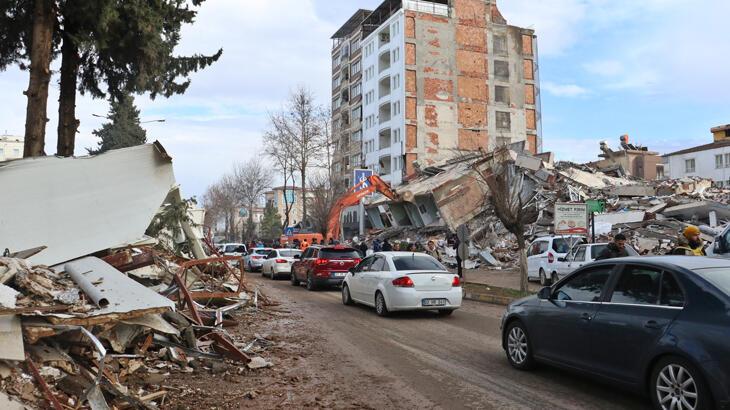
<point x="563" y="245"/>
<point x="16" y="152"/>
<point x="336" y="82"/>
<point x="396" y="108"/>
<point x="355" y="159"/>
<point x="538" y="248"/>
<point x="2" y="152"/>
<point x="364" y="266"/>
<point x="395" y="54"/>
<point x="727" y="160"/>
<point x="580" y="254"/>
<point x="357" y="135"/>
<point x="417" y="262"/>
<point x="689" y="165"/>
<point x="332" y="253"/>
<point x="501" y="94"/>
<point x="355" y="90"/>
<point x="357" y="113"/>
<point x="718" y="162"/>
<point x="370" y="97"/>
<point x="355" y="67"/>
<point x="501" y="70"/>
<point x="504" y="121"/>
<point x="396" y="81"/>
<point x="670" y="294"/>
<point x="720" y="277"/>
<point x="396" y="135"/>
<point x="499" y="44"/>
<point x="638" y="286"/>
<point x="369" y="49"/>
<point x="587" y="286"/>
<point x="378" y="265"/>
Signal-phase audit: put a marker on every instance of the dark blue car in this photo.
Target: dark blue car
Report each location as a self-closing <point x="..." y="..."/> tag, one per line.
<point x="658" y="324"/>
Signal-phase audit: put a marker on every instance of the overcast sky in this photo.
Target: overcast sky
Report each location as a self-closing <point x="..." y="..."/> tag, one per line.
<point x="653" y="69"/>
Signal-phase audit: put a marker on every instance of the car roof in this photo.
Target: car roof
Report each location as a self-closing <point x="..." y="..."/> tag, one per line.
<point x="401" y="253"/>
<point x="687" y="262"/>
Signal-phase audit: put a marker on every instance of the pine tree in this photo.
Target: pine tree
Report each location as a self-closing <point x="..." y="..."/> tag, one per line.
<point x="123" y="130"/>
<point x="271" y="224"/>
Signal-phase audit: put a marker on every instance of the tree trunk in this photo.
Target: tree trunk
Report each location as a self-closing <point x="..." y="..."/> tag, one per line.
<point x="40" y="75"/>
<point x="67" y="122"/>
<point x="304" y="196"/>
<point x="523" y="262"/>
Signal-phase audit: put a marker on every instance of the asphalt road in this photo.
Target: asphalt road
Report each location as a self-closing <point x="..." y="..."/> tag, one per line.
<point x="422" y="360"/>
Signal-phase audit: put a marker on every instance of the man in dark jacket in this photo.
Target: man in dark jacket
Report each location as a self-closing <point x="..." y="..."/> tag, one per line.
<point x="615" y="249"/>
<point x="387" y="247"/>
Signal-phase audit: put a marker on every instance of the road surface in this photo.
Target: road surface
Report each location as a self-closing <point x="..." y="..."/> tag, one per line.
<point x="421" y="360"/>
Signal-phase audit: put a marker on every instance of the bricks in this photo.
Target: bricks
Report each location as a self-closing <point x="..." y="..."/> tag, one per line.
<point x="410" y="81"/>
<point x="439" y="90"/>
<point x="529" y="94"/>
<point x="527" y="44"/>
<point x="471" y="38"/>
<point x="432" y="116"/>
<point x="433" y="138"/>
<point x="410" y="54"/>
<point x="529" y="72"/>
<point x="531" y="119"/>
<point x="471" y="63"/>
<point x="473" y="139"/>
<point x="410" y="29"/>
<point x="411" y="137"/>
<point x="410" y="168"/>
<point x="472" y="115"/>
<point x="432" y="18"/>
<point x="471" y="12"/>
<point x="411" y="108"/>
<point x="532" y="143"/>
<point x="472" y="88"/>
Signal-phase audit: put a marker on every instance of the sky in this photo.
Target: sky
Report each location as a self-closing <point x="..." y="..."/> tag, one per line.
<point x="653" y="69"/>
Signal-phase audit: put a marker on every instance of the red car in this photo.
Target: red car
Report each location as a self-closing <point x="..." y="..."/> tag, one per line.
<point x="321" y="266"/>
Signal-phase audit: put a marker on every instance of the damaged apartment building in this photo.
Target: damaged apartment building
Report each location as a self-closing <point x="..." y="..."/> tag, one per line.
<point x="417" y="83"/>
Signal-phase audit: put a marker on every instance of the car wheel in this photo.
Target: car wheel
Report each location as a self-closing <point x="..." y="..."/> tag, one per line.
<point x="446" y="312"/>
<point x="310" y="283"/>
<point x="554" y="278"/>
<point x="380" y="307"/>
<point x="294" y="280"/>
<point x="519" y="350"/>
<point x="543" y="278"/>
<point x="346" y="298"/>
<point x="677" y="384"/>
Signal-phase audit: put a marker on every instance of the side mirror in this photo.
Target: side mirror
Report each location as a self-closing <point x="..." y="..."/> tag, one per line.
<point x="545" y="293"/>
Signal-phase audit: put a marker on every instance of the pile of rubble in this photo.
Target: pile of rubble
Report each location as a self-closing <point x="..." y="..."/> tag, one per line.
<point x="651" y="213"/>
<point x="100" y="315"/>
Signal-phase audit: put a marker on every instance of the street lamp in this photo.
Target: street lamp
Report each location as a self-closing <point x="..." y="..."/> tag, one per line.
<point x="141" y="122"/>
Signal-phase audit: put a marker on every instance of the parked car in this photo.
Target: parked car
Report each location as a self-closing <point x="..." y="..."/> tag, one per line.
<point x="721" y="246"/>
<point x="393" y="281"/>
<point x="582" y="255"/>
<point x="255" y="259"/>
<point x="543" y="255"/>
<point x="278" y="262"/>
<point x="653" y="324"/>
<point x="232" y="249"/>
<point x="321" y="266"/>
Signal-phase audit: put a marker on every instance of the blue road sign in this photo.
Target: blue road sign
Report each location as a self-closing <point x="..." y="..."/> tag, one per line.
<point x="361" y="175"/>
<point x="289" y="231"/>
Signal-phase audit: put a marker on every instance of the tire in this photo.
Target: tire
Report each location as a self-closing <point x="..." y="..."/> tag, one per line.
<point x="554" y="278"/>
<point x="676" y="380"/>
<point x="518" y="346"/>
<point x="294" y="280"/>
<point x="346" y="298"/>
<point x="381" y="308"/>
<point x="543" y="278"/>
<point x="446" y="312"/>
<point x="310" y="283"/>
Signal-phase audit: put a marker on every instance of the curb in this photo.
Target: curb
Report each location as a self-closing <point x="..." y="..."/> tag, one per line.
<point x="487" y="298"/>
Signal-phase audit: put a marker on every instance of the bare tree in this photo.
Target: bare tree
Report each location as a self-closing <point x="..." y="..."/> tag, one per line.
<point x="323" y="198"/>
<point x="250" y="180"/>
<point x="301" y="123"/>
<point x="220" y="203"/>
<point x="279" y="148"/>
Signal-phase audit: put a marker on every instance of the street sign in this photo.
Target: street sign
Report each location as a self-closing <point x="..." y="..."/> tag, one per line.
<point x="289" y="231"/>
<point x="571" y="219"/>
<point x="361" y="175"/>
<point x="596" y="205"/>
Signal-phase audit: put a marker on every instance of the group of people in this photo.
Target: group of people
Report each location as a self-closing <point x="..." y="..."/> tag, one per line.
<point x="689" y="244"/>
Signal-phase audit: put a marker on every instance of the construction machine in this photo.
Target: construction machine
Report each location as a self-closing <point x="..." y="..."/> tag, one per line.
<point x="352" y="197"/>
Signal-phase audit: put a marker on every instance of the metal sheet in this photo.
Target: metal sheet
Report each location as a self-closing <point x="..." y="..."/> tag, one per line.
<point x="154" y="321"/>
<point x="78" y="206"/>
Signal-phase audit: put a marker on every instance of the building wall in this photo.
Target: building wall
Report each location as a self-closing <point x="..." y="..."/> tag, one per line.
<point x="11" y="147"/>
<point x="276" y="197"/>
<point x="705" y="165"/>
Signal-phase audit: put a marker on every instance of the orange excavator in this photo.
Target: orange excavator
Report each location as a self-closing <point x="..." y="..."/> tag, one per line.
<point x="352" y="197"/>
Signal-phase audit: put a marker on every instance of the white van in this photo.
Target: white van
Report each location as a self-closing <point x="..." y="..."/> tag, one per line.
<point x="543" y="255"/>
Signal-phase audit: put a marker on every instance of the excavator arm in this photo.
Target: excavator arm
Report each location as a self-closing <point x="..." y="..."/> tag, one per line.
<point x="352" y="197"/>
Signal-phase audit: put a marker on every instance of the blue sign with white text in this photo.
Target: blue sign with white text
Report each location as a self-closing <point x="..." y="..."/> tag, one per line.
<point x="362" y="175"/>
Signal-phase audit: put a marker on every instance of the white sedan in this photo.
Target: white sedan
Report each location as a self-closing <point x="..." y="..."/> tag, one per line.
<point x="278" y="262"/>
<point x="393" y="281"/>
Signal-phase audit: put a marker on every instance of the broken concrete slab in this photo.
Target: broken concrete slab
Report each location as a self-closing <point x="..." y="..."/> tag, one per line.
<point x="106" y="200"/>
<point x="620" y="217"/>
<point x="528" y="162"/>
<point x="487" y="257"/>
<point x="698" y="210"/>
<point x="633" y="190"/>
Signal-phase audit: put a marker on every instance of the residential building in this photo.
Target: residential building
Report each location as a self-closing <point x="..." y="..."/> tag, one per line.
<point x="439" y="78"/>
<point x="281" y="197"/>
<point x="707" y="161"/>
<point x="11" y="147"/>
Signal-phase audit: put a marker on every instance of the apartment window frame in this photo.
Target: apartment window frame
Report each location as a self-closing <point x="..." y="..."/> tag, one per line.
<point x="355" y="90"/>
<point x="503" y="120"/>
<point x="727" y="160"/>
<point x="502" y="94"/>
<point x="395" y="55"/>
<point x="356" y="113"/>
<point x="500" y="45"/>
<point x="690" y="169"/>
<point x="355" y="67"/>
<point x="719" y="161"/>
<point x="501" y="70"/>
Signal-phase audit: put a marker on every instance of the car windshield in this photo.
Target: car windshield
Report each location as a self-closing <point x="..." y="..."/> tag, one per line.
<point x="330" y="253"/>
<point x="719" y="277"/>
<point x="597" y="249"/>
<point x="261" y="251"/>
<point x="234" y="248"/>
<point x="289" y="254"/>
<point x="563" y="245"/>
<point x="417" y="262"/>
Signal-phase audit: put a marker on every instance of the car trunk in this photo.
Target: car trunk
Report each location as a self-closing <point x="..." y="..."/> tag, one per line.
<point x="432" y="281"/>
<point x="337" y="260"/>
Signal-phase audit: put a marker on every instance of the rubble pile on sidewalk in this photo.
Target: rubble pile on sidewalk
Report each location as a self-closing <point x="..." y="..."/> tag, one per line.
<point x="651" y="213"/>
<point x="86" y="324"/>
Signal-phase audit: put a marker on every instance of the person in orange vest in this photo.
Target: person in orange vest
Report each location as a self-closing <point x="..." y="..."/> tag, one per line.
<point x="304" y="244"/>
<point x="690" y="243"/>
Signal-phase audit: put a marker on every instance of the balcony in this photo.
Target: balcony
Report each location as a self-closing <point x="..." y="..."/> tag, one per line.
<point x="384" y="163"/>
<point x="384" y="37"/>
<point x="384" y="138"/>
<point x="384" y="61"/>
<point x="384" y="87"/>
<point x="384" y="114"/>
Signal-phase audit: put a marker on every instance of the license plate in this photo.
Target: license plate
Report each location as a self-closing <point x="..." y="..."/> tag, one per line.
<point x="339" y="274"/>
<point x="434" y="302"/>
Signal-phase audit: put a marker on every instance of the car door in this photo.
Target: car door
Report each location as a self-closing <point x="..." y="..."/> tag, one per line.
<point x="578" y="260"/>
<point x="377" y="269"/>
<point x="533" y="259"/>
<point x="561" y="325"/>
<point x="643" y="303"/>
<point x="356" y="281"/>
<point x="300" y="267"/>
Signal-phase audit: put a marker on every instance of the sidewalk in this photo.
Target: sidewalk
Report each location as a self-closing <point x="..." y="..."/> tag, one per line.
<point x="494" y="286"/>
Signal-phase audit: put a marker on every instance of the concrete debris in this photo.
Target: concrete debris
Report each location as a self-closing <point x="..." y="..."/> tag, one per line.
<point x="103" y="331"/>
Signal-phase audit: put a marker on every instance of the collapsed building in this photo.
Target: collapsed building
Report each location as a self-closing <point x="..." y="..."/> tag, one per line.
<point x="94" y="312"/>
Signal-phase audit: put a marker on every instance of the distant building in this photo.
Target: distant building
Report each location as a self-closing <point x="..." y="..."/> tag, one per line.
<point x="631" y="160"/>
<point x="280" y="196"/>
<point x="11" y="147"/>
<point x="707" y="161"/>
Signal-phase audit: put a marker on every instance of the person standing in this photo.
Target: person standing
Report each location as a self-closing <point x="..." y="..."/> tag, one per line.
<point x="377" y="246"/>
<point x="304" y="245"/>
<point x="412" y="247"/>
<point x="396" y="247"/>
<point x="387" y="247"/>
<point x="363" y="249"/>
<point x="615" y="249"/>
<point x="690" y="243"/>
<point x="432" y="250"/>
